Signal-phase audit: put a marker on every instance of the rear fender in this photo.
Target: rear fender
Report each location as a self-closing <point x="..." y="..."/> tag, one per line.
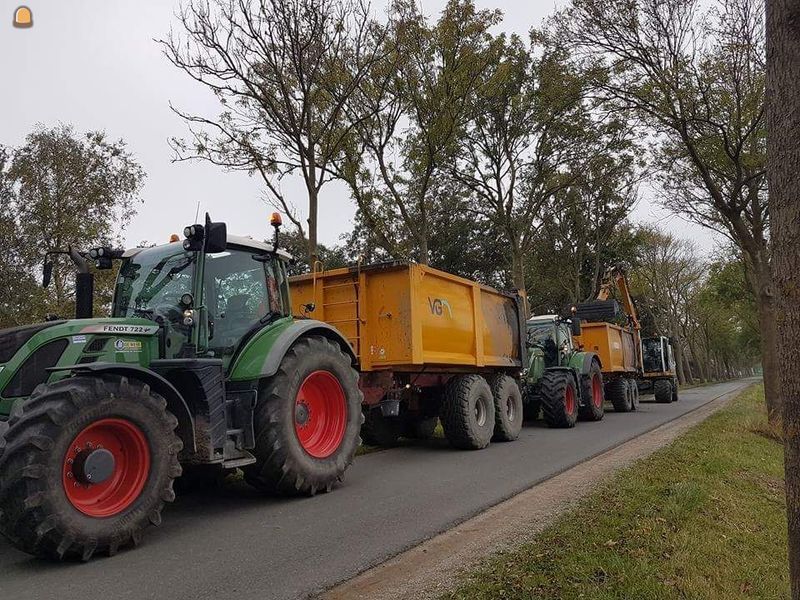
<point x="175" y="402"/>
<point x="263" y="354"/>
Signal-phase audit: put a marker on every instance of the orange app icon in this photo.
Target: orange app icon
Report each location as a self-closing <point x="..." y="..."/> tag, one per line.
<point x="23" y="17"/>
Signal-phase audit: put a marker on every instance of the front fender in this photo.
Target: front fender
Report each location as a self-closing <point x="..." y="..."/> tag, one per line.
<point x="262" y="355"/>
<point x="175" y="402"/>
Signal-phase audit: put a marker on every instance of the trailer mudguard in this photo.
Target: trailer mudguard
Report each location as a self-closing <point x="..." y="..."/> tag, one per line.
<point x="175" y="402"/>
<point x="262" y="355"/>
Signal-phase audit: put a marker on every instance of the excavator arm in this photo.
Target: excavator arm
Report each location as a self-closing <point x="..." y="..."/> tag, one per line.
<point x="615" y="277"/>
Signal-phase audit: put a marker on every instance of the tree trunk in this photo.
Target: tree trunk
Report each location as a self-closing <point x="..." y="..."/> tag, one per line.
<point x="518" y="276"/>
<point x="313" y="211"/>
<point x="783" y="168"/>
<point x="678" y="350"/>
<point x="769" y="359"/>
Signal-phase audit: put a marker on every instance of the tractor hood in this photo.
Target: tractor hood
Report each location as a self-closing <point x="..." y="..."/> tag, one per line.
<point x="27" y="354"/>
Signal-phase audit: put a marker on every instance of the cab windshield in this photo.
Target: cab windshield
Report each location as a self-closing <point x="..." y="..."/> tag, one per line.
<point x="539" y="333"/>
<point x="152" y="282"/>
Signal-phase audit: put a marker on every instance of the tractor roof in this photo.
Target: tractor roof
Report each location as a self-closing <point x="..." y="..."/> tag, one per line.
<point x="543" y="318"/>
<point x="234" y="240"/>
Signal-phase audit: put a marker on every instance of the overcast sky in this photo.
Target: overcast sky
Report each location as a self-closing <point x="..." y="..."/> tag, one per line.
<point x="95" y="65"/>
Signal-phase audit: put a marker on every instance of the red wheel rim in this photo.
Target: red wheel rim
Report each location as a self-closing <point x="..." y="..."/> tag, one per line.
<point x="597" y="391"/>
<point x="130" y="468"/>
<point x="320" y="416"/>
<point x="569" y="400"/>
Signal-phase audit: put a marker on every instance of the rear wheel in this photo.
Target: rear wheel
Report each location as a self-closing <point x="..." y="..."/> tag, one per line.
<point x="617" y="392"/>
<point x="507" y="407"/>
<point x="593" y="394"/>
<point x="468" y="412"/>
<point x="307" y="421"/>
<point x="675" y="396"/>
<point x="634" y="392"/>
<point x="86" y="464"/>
<point x="559" y="399"/>
<point x="662" y="391"/>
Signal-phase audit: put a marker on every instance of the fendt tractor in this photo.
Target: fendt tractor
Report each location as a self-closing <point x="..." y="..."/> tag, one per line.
<point x="612" y="331"/>
<point x="660" y="373"/>
<point x="201" y="363"/>
<point x="562" y="381"/>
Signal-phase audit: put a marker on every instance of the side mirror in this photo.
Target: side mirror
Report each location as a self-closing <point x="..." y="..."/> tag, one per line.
<point x="575" y="325"/>
<point x="216" y="236"/>
<point x="47" y="273"/>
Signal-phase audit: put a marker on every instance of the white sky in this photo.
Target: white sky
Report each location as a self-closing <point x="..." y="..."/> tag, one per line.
<point x="94" y="64"/>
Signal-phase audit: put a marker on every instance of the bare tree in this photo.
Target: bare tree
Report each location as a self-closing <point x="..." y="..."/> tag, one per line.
<point x="282" y="71"/>
<point x="783" y="108"/>
<point x="693" y="73"/>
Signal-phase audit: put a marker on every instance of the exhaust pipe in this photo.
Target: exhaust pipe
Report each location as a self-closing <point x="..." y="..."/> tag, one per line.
<point x="84" y="286"/>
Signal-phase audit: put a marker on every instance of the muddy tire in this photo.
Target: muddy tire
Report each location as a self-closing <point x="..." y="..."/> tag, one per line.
<point x="559" y="399"/>
<point x="593" y="394"/>
<point x="675" y="396"/>
<point x="508" y="408"/>
<point x="617" y="393"/>
<point x="381" y="431"/>
<point x="467" y="412"/>
<point x="307" y="421"/>
<point x="662" y="391"/>
<point x="86" y="465"/>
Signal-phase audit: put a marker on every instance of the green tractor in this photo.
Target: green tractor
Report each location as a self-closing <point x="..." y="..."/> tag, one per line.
<point x="201" y="366"/>
<point x="562" y="382"/>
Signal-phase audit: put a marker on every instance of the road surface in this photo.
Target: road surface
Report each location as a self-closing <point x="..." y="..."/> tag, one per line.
<point x="235" y="543"/>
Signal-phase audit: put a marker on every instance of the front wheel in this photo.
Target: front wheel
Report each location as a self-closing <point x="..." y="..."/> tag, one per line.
<point x="559" y="399"/>
<point x="307" y="421"/>
<point x="86" y="464"/>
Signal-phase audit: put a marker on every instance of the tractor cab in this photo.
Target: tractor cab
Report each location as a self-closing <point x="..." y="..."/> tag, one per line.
<point x="207" y="304"/>
<point x="553" y="335"/>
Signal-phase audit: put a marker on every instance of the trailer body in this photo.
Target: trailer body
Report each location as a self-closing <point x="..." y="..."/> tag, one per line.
<point x="614" y="345"/>
<point x="405" y="317"/>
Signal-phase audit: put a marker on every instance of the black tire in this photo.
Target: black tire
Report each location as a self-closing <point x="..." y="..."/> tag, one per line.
<point x="420" y="428"/>
<point x="508" y="408"/>
<point x="634" y="392"/>
<point x="559" y="399"/>
<point x="283" y="466"/>
<point x="36" y="514"/>
<point x="381" y="431"/>
<point x="675" y="395"/>
<point x="592" y="409"/>
<point x="662" y="391"/>
<point x="468" y="412"/>
<point x="617" y="394"/>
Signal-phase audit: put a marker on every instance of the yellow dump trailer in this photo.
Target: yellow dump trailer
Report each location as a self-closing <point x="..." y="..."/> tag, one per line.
<point x="615" y="346"/>
<point x="427" y="342"/>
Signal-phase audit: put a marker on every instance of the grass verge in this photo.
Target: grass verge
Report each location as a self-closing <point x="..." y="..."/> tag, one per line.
<point x="701" y="518"/>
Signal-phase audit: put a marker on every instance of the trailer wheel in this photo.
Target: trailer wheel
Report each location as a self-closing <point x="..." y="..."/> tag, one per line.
<point x="86" y="464"/>
<point x="662" y="391"/>
<point x="593" y="394"/>
<point x="617" y="393"/>
<point x="508" y="408"/>
<point x="559" y="399"/>
<point x="634" y="390"/>
<point x="420" y="428"/>
<point x="468" y="412"/>
<point x="675" y="396"/>
<point x="532" y="406"/>
<point x="378" y="430"/>
<point x="307" y="421"/>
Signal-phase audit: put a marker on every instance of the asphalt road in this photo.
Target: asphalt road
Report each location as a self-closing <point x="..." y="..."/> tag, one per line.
<point x="233" y="543"/>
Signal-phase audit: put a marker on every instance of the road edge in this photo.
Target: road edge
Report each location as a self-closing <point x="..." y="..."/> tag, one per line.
<point x="430" y="568"/>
